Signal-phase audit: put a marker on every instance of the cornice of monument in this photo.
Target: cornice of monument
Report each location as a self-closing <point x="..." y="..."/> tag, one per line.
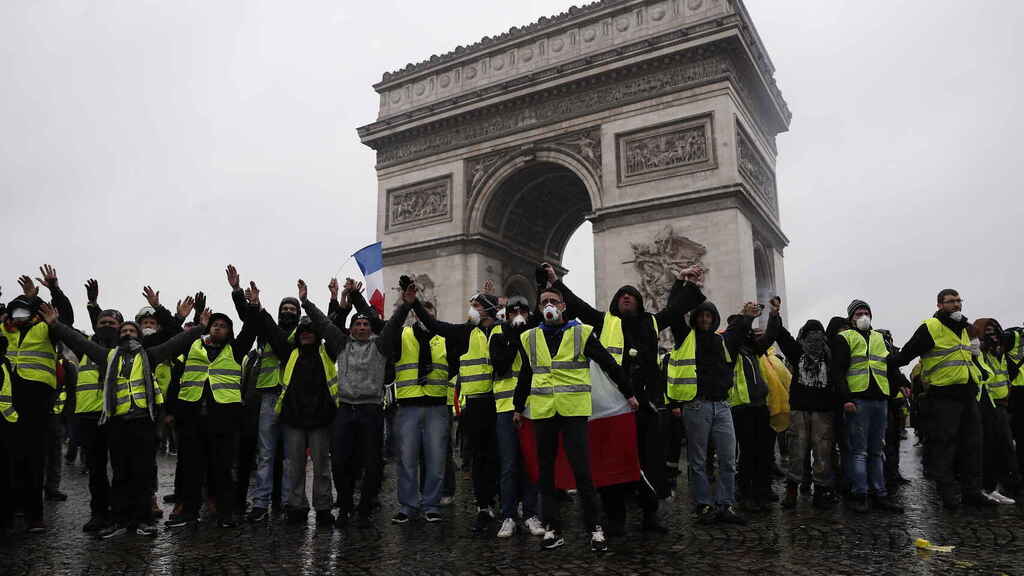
<point x="612" y="27"/>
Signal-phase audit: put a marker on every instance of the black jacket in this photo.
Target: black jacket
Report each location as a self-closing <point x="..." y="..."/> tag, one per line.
<point x="802" y="396"/>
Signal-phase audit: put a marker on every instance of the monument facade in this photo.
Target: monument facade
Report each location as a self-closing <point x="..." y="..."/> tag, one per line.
<point x="653" y="119"/>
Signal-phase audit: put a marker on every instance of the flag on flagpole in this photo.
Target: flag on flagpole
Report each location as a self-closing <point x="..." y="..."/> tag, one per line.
<point x="371" y="263"/>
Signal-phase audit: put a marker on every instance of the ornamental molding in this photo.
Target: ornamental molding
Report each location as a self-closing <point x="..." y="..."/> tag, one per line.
<point x="419" y="204"/>
<point x="658" y="152"/>
<point x="755" y="170"/>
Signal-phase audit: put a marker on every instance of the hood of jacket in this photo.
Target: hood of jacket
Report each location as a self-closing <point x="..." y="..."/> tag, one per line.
<point x="716" y="318"/>
<point x="613" y="307"/>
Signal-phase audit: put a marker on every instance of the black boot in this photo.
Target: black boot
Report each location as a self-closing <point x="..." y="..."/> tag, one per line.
<point x="789" y="502"/>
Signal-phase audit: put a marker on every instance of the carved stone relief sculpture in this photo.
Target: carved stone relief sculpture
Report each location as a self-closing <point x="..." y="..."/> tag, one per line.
<point x="669" y="150"/>
<point x="419" y="204"/>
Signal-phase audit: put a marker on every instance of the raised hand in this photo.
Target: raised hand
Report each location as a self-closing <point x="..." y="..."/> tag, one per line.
<point x="303" y="290"/>
<point x="28" y="287"/>
<point x="49" y="278"/>
<point x="692" y="274"/>
<point x="751" y="310"/>
<point x="200" y="301"/>
<point x="488" y="287"/>
<point x="776" y="303"/>
<point x="409" y="294"/>
<point x="92" y="290"/>
<point x="252" y="294"/>
<point x="233" y="278"/>
<point x="204" y="318"/>
<point x="185" y="307"/>
<point x="333" y="287"/>
<point x="153" y="297"/>
<point x="552" y="275"/>
<point x="48" y="313"/>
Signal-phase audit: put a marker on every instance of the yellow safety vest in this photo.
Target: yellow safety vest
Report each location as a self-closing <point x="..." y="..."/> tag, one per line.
<point x="505" y="384"/>
<point x="130" y="390"/>
<point x="330" y="372"/>
<point x="88" y="388"/>
<point x="1016" y="355"/>
<point x="162" y="376"/>
<point x="58" y="404"/>
<point x="560" y="385"/>
<point x="451" y="391"/>
<point x="270" y="366"/>
<point x="475" y="374"/>
<point x="867" y="359"/>
<point x="33" y="357"/>
<point x="682" y="370"/>
<point x="739" y="393"/>
<point x="998" y="382"/>
<point x="407" y="376"/>
<point x="6" y="400"/>
<point x="224" y="375"/>
<point x="949" y="362"/>
<point x="614" y="340"/>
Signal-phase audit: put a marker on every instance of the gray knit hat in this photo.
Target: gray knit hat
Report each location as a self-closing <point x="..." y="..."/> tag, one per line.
<point x="856" y="305"/>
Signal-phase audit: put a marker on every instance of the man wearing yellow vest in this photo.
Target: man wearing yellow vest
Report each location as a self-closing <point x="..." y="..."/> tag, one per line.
<point x="554" y="381"/>
<point x="470" y="342"/>
<point x="130" y="406"/>
<point x="999" y="460"/>
<point x="8" y="436"/>
<point x="31" y="350"/>
<point x="866" y="380"/>
<point x="630" y="334"/>
<point x="948" y="365"/>
<point x="1013" y="345"/>
<point x="700" y="375"/>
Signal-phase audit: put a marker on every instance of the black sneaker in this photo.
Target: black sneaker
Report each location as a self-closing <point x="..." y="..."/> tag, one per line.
<point x="179" y="520"/>
<point x="296" y="516"/>
<point x="597" y="541"/>
<point x="484" y="516"/>
<point x="363" y="521"/>
<point x="823" y="498"/>
<point x="859" y="503"/>
<point x="324" y="518"/>
<point x="112" y="531"/>
<point x="257" y="515"/>
<point x="227" y="522"/>
<point x="729" y="515"/>
<point x="400" y="518"/>
<point x="706" y="514"/>
<point x="342" y="520"/>
<point x="432" y="517"/>
<point x="147" y="530"/>
<point x="95" y="524"/>
<point x="552" y="539"/>
<point x="887" y="504"/>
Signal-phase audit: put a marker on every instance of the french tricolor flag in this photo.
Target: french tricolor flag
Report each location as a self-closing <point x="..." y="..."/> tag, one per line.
<point x="371" y="263"/>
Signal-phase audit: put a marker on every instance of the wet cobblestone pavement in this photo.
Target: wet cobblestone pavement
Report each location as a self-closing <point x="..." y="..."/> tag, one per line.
<point x="785" y="543"/>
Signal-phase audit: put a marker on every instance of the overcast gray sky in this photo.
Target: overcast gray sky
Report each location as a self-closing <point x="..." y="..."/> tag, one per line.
<point x="154" y="142"/>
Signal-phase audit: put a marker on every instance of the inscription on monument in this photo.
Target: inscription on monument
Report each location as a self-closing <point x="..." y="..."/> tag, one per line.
<point x="419" y="204"/>
<point x="754" y="169"/>
<point x="677" y="148"/>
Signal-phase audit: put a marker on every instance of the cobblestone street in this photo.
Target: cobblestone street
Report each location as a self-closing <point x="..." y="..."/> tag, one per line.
<point x="785" y="543"/>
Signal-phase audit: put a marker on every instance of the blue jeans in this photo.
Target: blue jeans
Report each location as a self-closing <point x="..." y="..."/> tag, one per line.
<point x="421" y="432"/>
<point x="514" y="483"/>
<point x="865" y="429"/>
<point x="706" y="422"/>
<point x="269" y="433"/>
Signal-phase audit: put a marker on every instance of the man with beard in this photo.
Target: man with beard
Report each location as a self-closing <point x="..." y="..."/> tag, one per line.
<point x="630" y="334"/>
<point x="130" y="404"/>
<point x="948" y="365"/>
<point x="33" y="356"/>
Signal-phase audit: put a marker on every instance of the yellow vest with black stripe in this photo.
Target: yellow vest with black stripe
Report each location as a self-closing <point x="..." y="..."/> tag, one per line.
<point x="614" y="340"/>
<point x="33" y="357"/>
<point x="867" y="359"/>
<point x="682" y="370"/>
<point x="998" y="382"/>
<point x="1016" y="355"/>
<point x="224" y="374"/>
<point x="330" y="373"/>
<point x="408" y="383"/>
<point x="475" y="373"/>
<point x="130" y="390"/>
<point x="949" y="361"/>
<point x="560" y="385"/>
<point x="505" y="384"/>
<point x="6" y="400"/>
<point x="88" y="388"/>
<point x="270" y="366"/>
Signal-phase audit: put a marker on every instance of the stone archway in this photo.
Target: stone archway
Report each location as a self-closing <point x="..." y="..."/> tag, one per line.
<point x="654" y="119"/>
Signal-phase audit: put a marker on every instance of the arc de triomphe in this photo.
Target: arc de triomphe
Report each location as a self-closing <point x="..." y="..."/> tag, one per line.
<point x="654" y="119"/>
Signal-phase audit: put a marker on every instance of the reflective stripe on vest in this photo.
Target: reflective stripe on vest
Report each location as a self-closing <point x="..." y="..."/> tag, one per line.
<point x="475" y="373"/>
<point x="6" y="400"/>
<point x="612" y="338"/>
<point x="224" y="375"/>
<point x="739" y="393"/>
<point x="130" y="390"/>
<point x="88" y="389"/>
<point x="505" y="384"/>
<point x="682" y="370"/>
<point x="998" y="382"/>
<point x="33" y="357"/>
<point x="866" y="360"/>
<point x="1016" y="355"/>
<point x="949" y="362"/>
<point x="270" y="366"/>
<point x="560" y="385"/>
<point x="330" y="374"/>
<point x="409" y="383"/>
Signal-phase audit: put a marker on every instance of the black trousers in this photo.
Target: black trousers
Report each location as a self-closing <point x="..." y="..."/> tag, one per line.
<point x="7" y="495"/>
<point x="1016" y="417"/>
<point x="481" y="432"/>
<point x="132" y="455"/>
<point x="999" y="463"/>
<point x="208" y="447"/>
<point x="33" y="401"/>
<point x="955" y="440"/>
<point x="356" y="446"/>
<point x="576" y="442"/>
<point x="893" y="431"/>
<point x="94" y="443"/>
<point x="756" y="439"/>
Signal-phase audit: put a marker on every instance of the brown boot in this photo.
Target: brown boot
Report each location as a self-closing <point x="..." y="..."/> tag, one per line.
<point x="789" y="502"/>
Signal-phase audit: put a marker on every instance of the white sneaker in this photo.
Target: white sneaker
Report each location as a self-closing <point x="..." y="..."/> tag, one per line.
<point x="998" y="498"/>
<point x="535" y="526"/>
<point x="989" y="496"/>
<point x="508" y="528"/>
<point x="597" y="541"/>
<point x="447" y="500"/>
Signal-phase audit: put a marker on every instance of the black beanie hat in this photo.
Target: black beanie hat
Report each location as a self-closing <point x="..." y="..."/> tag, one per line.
<point x="856" y="305"/>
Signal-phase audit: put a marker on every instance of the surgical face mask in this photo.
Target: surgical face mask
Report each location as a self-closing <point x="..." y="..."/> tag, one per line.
<point x="473" y="315"/>
<point x="518" y="320"/>
<point x="501" y="315"/>
<point x="21" y="314"/>
<point x="552" y="313"/>
<point x="863" y="322"/>
<point x="148" y="331"/>
<point x="956" y="316"/>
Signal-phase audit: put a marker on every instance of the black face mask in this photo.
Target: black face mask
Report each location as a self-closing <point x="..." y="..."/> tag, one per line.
<point x="289" y="319"/>
<point x="129" y="342"/>
<point x="106" y="335"/>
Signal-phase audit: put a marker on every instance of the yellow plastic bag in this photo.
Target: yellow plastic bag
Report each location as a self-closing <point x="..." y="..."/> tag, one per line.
<point x="923" y="544"/>
<point x="778" y="378"/>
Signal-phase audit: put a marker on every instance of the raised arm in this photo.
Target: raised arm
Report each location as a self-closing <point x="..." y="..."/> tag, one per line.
<point x="363" y="307"/>
<point x="791" y="349"/>
<point x="666" y="315"/>
<point x="390" y="335"/>
<point x="576" y="307"/>
<point x="79" y="344"/>
<point x="771" y="332"/>
<point x="593" y="349"/>
<point x="177" y="345"/>
<point x="335" y="338"/>
<point x="736" y="333"/>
